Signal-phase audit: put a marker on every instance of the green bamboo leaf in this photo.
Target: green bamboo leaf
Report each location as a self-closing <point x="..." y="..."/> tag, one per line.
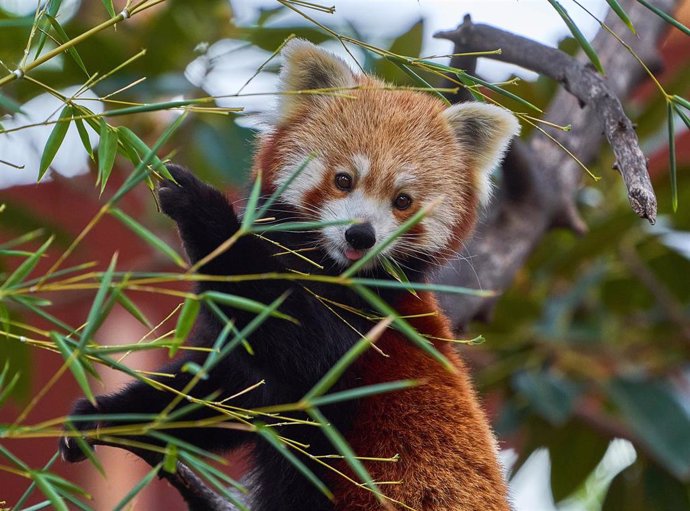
<point x="65" y="485"/>
<point x="55" y="140"/>
<point x="95" y="313"/>
<point x="107" y="150"/>
<point x="154" y="107"/>
<point x="334" y="373"/>
<point x="26" y="267"/>
<point x="86" y="449"/>
<point x="279" y="191"/>
<point x="109" y="7"/>
<point x="666" y="17"/>
<point x="683" y="117"/>
<point x="411" y="333"/>
<point x="50" y="11"/>
<point x="581" y="39"/>
<point x="63" y="38"/>
<point x="421" y="286"/>
<point x="214" y="476"/>
<point x="393" y="269"/>
<point x="620" y="12"/>
<point x="250" y="210"/>
<point x="27" y="493"/>
<point x="242" y="303"/>
<point x="129" y="140"/>
<point x="362" y="392"/>
<point x="297" y="226"/>
<point x="681" y="101"/>
<point x="499" y="90"/>
<point x="345" y="450"/>
<point x="138" y="487"/>
<point x="131" y="307"/>
<point x="221" y="348"/>
<point x="186" y="446"/>
<point x="672" y="155"/>
<point x="185" y="322"/>
<point x="84" y="136"/>
<point x="421" y="82"/>
<point x="49" y="491"/>
<point x="10" y="105"/>
<point x="272" y="438"/>
<point x="148" y="236"/>
<point x="74" y="364"/>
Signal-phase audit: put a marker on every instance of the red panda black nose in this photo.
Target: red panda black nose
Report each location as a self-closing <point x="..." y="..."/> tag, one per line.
<point x="361" y="236"/>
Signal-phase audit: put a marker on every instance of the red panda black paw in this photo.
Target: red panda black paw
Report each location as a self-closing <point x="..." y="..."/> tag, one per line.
<point x="70" y="450"/>
<point x="176" y="198"/>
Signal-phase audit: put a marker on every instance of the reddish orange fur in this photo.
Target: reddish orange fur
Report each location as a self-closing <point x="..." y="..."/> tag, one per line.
<point x="447" y="452"/>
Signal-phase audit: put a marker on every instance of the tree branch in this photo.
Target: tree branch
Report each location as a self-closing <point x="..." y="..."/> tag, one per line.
<point x="526" y="209"/>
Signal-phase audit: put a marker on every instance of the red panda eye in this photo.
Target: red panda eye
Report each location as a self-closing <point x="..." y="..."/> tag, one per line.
<point x="402" y="201"/>
<point x="343" y="181"/>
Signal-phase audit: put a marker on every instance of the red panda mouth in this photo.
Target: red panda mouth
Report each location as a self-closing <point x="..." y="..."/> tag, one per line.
<point x="353" y="254"/>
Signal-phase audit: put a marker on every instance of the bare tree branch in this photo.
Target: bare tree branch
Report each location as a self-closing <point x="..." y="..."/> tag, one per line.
<point x="541" y="181"/>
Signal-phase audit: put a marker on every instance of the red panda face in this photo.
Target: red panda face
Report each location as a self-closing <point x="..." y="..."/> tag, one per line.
<point x="379" y="155"/>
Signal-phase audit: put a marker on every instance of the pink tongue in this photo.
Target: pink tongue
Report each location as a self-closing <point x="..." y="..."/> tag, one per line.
<point x="353" y="254"/>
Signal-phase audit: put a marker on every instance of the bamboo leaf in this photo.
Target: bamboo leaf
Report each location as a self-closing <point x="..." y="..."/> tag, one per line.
<point x="361" y="392"/>
<point x="272" y="438"/>
<point x="242" y="303"/>
<point x="402" y="325"/>
<point x="345" y="450"/>
<point x="50" y="12"/>
<point x="49" y="491"/>
<point x="84" y="136"/>
<point x="95" y="313"/>
<point x="666" y="17"/>
<point x="581" y="39"/>
<point x="109" y="7"/>
<point x="620" y="12"/>
<point x="498" y="90"/>
<point x="63" y="38"/>
<point x="131" y="307"/>
<point x="672" y="155"/>
<point x="20" y="503"/>
<point x="250" y="210"/>
<point x="107" y="150"/>
<point x="57" y="135"/>
<point x="417" y="79"/>
<point x="26" y="267"/>
<point x="296" y="226"/>
<point x="74" y="364"/>
<point x="279" y="191"/>
<point x="138" y="487"/>
<point x="185" y="322"/>
<point x="86" y="449"/>
<point x="148" y="236"/>
<point x="393" y="269"/>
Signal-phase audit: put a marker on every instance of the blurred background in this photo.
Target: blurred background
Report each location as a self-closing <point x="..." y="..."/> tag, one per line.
<point x="585" y="367"/>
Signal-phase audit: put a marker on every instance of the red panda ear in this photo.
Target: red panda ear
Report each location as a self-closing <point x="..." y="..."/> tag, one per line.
<point x="306" y="67"/>
<point x="483" y="131"/>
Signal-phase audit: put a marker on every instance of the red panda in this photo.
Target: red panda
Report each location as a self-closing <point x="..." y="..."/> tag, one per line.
<point x="380" y="156"/>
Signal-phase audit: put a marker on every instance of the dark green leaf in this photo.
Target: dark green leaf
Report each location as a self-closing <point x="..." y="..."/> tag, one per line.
<point x="10" y="105"/>
<point x="109" y="7"/>
<point x="75" y="365"/>
<point x="581" y="39"/>
<point x="666" y="17"/>
<point x="55" y="140"/>
<point x="107" y="150"/>
<point x="96" y="313"/>
<point x="550" y="395"/>
<point x="84" y="136"/>
<point x="620" y="12"/>
<point x="148" y="236"/>
<point x="26" y="267"/>
<point x="138" y="487"/>
<point x="185" y="322"/>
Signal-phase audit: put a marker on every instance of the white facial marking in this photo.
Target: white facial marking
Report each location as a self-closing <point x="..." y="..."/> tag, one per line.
<point x="356" y="206"/>
<point x="309" y="179"/>
<point x="362" y="165"/>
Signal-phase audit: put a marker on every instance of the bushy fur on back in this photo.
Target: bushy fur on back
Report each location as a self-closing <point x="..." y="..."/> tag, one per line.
<point x="377" y="156"/>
